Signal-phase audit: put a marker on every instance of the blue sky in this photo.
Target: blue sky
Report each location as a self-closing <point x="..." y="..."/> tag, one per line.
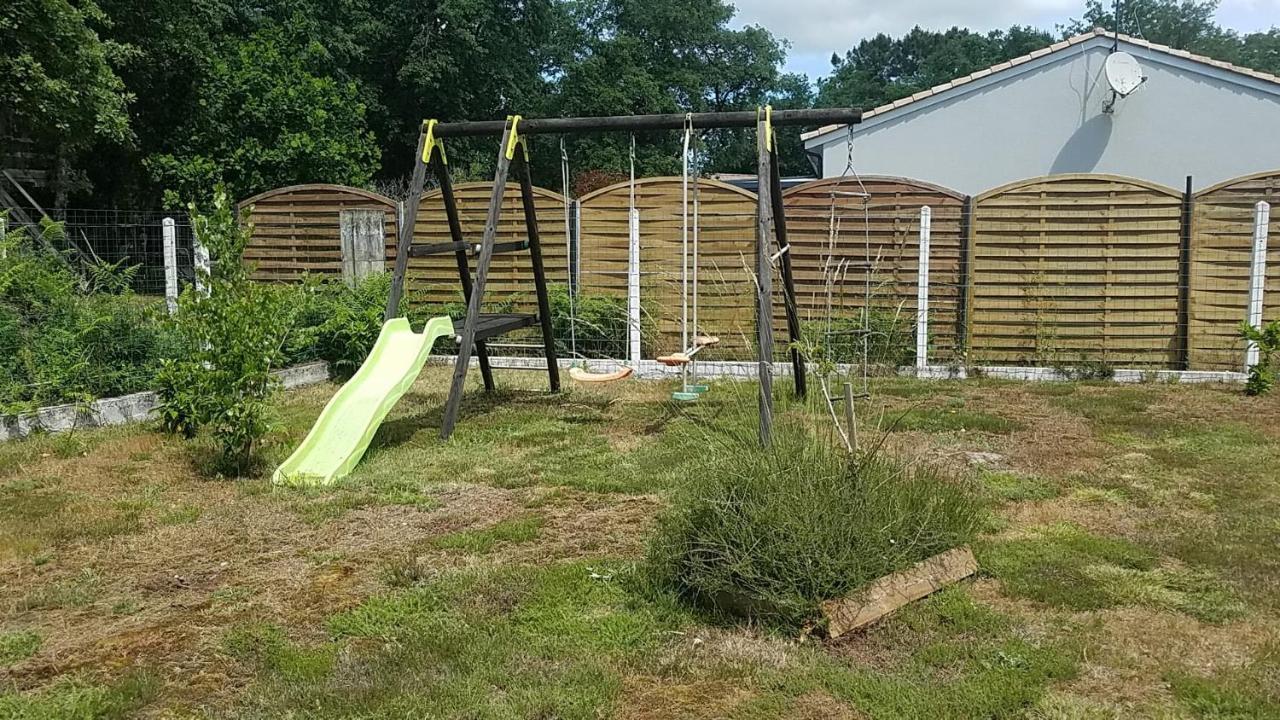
<point x="816" y="28"/>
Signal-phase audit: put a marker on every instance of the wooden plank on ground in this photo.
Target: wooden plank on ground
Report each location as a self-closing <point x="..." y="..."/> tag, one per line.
<point x="891" y="592"/>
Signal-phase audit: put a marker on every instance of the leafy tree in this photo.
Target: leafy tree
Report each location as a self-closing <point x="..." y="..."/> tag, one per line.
<point x="270" y="115"/>
<point x="58" y="83"/>
<point x="232" y="337"/>
<point x="1183" y="24"/>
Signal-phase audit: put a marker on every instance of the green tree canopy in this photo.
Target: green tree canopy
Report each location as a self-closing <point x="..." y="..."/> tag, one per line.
<point x="267" y="115"/>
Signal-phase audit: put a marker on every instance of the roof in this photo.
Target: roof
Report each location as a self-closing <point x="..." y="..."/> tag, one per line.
<point x="1043" y="52"/>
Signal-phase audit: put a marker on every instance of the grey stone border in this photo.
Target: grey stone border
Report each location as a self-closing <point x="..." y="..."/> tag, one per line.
<point x="126" y="409"/>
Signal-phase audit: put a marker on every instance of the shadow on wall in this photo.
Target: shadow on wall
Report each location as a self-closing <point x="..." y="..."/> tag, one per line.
<point x="1083" y="150"/>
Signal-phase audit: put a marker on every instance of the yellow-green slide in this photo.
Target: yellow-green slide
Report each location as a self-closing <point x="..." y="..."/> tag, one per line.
<point x="343" y="431"/>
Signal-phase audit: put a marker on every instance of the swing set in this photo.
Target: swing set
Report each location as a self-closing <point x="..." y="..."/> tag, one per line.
<point x="473" y="331"/>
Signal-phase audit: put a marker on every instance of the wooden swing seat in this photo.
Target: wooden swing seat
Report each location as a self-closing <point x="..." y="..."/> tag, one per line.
<point x="706" y="341"/>
<point x="675" y="360"/>
<point x="585" y="376"/>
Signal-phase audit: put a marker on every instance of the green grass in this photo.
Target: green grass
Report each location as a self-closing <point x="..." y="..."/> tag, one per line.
<point x="77" y="592"/>
<point x="951" y="419"/>
<point x="1119" y="410"/>
<point x="1252" y="691"/>
<point x="18" y="645"/>
<point x="74" y="698"/>
<point x="479" y="542"/>
<point x="1014" y="487"/>
<point x="182" y="515"/>
<point x="1067" y="567"/>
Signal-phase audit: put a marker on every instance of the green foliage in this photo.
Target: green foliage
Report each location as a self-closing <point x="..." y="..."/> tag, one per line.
<point x="17" y="646"/>
<point x="884" y="337"/>
<point x="64" y="339"/>
<point x="270" y="115"/>
<point x="479" y="542"/>
<point x="231" y="339"/>
<point x="339" y="324"/>
<point x="771" y="533"/>
<point x="1263" y="375"/>
<point x="599" y="324"/>
<point x="57" y="79"/>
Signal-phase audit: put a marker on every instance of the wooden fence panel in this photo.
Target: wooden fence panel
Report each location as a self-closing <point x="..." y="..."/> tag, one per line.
<point x="297" y="229"/>
<point x="878" y="240"/>
<point x="1076" y="269"/>
<point x="1221" y="258"/>
<point x="727" y="217"/>
<point x="434" y="279"/>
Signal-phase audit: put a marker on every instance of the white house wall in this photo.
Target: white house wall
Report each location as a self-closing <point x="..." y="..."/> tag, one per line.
<point x="1049" y="120"/>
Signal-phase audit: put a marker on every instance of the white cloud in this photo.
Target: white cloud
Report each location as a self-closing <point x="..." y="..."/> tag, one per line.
<point x="817" y="28"/>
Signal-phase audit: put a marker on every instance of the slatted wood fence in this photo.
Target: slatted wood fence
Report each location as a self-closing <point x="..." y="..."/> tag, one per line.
<point x="1064" y="270"/>
<point x="1076" y="269"/>
<point x="870" y="246"/>
<point x="297" y="229"/>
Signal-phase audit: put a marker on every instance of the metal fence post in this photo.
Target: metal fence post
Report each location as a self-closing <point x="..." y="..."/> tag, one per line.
<point x="922" y="291"/>
<point x="633" y="285"/>
<point x="1257" y="276"/>
<point x="169" y="231"/>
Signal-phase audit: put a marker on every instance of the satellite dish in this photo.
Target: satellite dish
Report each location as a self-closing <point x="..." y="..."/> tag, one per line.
<point x="1124" y="74"/>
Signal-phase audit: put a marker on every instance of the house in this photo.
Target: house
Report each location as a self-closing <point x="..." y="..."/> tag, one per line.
<point x="1053" y="112"/>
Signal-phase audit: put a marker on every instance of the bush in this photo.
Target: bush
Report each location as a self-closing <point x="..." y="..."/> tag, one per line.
<point x="598" y="328"/>
<point x="1262" y="377"/>
<point x="769" y="534"/>
<point x="67" y="338"/>
<point x="231" y="339"/>
<point x="890" y="337"/>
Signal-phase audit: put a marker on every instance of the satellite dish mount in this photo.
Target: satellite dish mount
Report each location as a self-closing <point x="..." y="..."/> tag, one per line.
<point x="1124" y="76"/>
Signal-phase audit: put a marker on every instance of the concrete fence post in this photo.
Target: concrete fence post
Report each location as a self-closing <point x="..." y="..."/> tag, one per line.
<point x="169" y="233"/>
<point x="4" y="230"/>
<point x="633" y="285"/>
<point x="1257" y="275"/>
<point x="922" y="291"/>
<point x="200" y="255"/>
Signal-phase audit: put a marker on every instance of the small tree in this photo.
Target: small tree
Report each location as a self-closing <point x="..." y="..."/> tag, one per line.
<point x="1262" y="376"/>
<point x="232" y="337"/>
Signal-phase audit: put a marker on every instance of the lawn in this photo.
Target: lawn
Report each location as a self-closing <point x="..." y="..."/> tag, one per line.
<point x="1130" y="566"/>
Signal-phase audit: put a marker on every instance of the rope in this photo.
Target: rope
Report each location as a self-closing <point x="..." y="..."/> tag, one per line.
<point x="684" y="248"/>
<point x="568" y="246"/>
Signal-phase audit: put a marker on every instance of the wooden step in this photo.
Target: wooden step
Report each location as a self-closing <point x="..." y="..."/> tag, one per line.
<point x="494" y="324"/>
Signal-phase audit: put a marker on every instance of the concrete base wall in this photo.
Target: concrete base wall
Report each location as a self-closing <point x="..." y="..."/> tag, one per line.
<point x="127" y="409"/>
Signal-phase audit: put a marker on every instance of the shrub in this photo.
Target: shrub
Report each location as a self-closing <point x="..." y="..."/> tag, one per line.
<point x="67" y="338"/>
<point x="770" y="533"/>
<point x="598" y="328"/>
<point x="231" y="339"/>
<point x="890" y="339"/>
<point x="1262" y="376"/>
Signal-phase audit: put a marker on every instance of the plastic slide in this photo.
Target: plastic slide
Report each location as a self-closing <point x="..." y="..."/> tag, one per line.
<point x="343" y="431"/>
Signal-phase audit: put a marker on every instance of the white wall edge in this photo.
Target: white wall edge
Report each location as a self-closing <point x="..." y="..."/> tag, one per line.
<point x="127" y="409"/>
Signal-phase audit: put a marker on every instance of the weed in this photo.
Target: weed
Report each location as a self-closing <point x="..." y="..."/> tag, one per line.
<point x="771" y="533"/>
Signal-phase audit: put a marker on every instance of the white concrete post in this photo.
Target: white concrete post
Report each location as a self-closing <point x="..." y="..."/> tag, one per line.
<point x="633" y="286"/>
<point x="3" y="230"/>
<point x="201" y="257"/>
<point x="922" y="291"/>
<point x="170" y="233"/>
<point x="1257" y="275"/>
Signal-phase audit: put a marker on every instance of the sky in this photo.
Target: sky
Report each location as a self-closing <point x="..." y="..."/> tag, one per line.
<point x="817" y="28"/>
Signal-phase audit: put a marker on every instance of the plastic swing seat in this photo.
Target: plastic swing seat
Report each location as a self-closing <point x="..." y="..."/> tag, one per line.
<point x="586" y="376"/>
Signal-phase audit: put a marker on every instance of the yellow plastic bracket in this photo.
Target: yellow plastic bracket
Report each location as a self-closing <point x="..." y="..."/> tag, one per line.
<point x="431" y="143"/>
<point x="768" y="128"/>
<point x="514" y="138"/>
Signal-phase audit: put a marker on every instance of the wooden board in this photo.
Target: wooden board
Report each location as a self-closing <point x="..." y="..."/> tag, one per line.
<point x="891" y="592"/>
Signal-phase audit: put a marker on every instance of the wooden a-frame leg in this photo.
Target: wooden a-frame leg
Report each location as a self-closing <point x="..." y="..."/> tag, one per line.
<point x="466" y="343"/>
<point x="788" y="279"/>
<point x="539" y="272"/>
<point x="764" y="285"/>
<point x="464" y="269"/>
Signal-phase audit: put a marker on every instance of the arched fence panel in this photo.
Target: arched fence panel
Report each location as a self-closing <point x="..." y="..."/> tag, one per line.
<point x="298" y="229"/>
<point x="434" y="279"/>
<point x="1222" y="259"/>
<point x="856" y="244"/>
<point x="726" y="233"/>
<point x="1076" y="270"/>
